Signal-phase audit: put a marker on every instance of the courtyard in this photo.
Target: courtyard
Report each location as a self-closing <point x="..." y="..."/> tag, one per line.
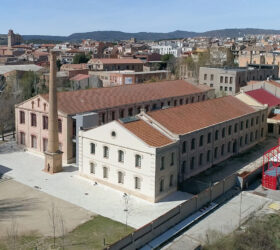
<point x="26" y="168"/>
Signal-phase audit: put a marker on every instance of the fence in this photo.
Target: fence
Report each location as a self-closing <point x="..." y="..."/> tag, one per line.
<point x="158" y="226"/>
<point x="7" y="134"/>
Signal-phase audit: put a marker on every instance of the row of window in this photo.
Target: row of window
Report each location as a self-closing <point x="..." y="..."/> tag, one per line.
<point x="223" y="133"/>
<point x="225" y="79"/>
<point x="137" y="157"/>
<point x="231" y="147"/>
<point x="137" y="180"/>
<point x="120" y="154"/>
<point x="225" y="89"/>
<point x="147" y="108"/>
<point x="33" y="119"/>
<point x="33" y="140"/>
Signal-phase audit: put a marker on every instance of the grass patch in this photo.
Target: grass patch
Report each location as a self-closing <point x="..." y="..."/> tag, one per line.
<point x="89" y="235"/>
<point x="260" y="234"/>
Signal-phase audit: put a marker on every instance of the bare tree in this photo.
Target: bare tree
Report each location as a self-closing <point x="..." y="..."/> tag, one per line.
<point x="62" y="228"/>
<point x="12" y="235"/>
<point x="53" y="216"/>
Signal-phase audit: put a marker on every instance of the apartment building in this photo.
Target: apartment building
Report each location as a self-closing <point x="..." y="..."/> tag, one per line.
<point x="230" y="80"/>
<point x="115" y="78"/>
<point x="97" y="106"/>
<point x="111" y="64"/>
<point x="149" y="154"/>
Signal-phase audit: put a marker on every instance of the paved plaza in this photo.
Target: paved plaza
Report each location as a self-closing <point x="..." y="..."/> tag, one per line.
<point x="26" y="168"/>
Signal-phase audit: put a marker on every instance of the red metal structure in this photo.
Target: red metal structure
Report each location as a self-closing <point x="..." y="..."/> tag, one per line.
<point x="271" y="168"/>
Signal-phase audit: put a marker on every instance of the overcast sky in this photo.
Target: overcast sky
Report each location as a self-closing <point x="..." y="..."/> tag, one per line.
<point x="64" y="17"/>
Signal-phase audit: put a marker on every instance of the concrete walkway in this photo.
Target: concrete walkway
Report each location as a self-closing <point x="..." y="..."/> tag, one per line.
<point x="26" y="168"/>
<point x="222" y="221"/>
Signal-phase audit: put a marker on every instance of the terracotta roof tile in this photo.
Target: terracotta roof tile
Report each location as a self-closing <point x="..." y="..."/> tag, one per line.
<point x="264" y="97"/>
<point x="195" y="116"/>
<point x="116" y="61"/>
<point x="79" y="101"/>
<point x="79" y="77"/>
<point x="147" y="133"/>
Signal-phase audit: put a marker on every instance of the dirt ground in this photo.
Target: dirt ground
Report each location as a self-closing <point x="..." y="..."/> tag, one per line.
<point x="29" y="210"/>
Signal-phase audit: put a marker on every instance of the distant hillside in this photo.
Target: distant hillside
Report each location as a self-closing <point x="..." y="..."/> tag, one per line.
<point x="118" y="35"/>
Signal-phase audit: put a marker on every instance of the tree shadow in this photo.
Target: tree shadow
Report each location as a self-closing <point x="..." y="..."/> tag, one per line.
<point x="11" y="207"/>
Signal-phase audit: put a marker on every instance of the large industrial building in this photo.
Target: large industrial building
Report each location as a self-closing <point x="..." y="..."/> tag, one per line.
<point x="93" y="107"/>
<point x="149" y="154"/>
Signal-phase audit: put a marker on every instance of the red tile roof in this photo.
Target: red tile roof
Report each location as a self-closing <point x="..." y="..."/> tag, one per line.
<point x="147" y="133"/>
<point x="116" y="61"/>
<point x="79" y="77"/>
<point x="274" y="116"/>
<point x="264" y="97"/>
<point x="73" y="66"/>
<point x="195" y="116"/>
<point x="79" y="101"/>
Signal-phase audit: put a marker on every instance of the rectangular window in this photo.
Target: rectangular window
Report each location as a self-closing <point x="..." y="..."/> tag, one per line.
<point x="184" y="147"/>
<point x="120" y="177"/>
<point x="130" y="112"/>
<point x="221" y="79"/>
<point x="208" y="155"/>
<point x="230" y="80"/>
<point x="92" y="148"/>
<point x="22" y="138"/>
<point x="122" y="113"/>
<point x="45" y="144"/>
<point x="192" y="162"/>
<point x="193" y="144"/>
<point x="161" y="188"/>
<point x="59" y="126"/>
<point x="113" y="115"/>
<point x="137" y="183"/>
<point x="33" y="120"/>
<point x="92" y="168"/>
<point x="138" y="161"/>
<point x="216" y="135"/>
<point x="105" y="152"/>
<point x="241" y="125"/>
<point x="162" y="163"/>
<point x="33" y="141"/>
<point x="229" y="130"/>
<point x="205" y="76"/>
<point x="201" y="141"/>
<point x="226" y="79"/>
<point x="200" y="159"/>
<point x="183" y="168"/>
<point x="105" y="172"/>
<point x="21" y="117"/>
<point x="209" y="137"/>
<point x="120" y="156"/>
<point x="235" y="127"/>
<point x="45" y="122"/>
<point x="216" y="152"/>
<point x="172" y="159"/>
<point x="212" y="77"/>
<point x="171" y="181"/>
<point x="223" y="132"/>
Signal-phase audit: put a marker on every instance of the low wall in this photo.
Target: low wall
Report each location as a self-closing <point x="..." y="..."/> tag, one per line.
<point x="158" y="226"/>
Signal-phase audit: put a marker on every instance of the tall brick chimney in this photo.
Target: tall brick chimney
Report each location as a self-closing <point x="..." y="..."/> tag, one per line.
<point x="53" y="156"/>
